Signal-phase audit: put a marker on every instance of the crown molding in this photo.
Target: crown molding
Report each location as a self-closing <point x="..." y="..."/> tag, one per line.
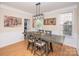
<point x="13" y="9"/>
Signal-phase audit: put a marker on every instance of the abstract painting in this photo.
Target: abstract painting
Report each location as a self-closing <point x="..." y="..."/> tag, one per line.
<point x="10" y="21"/>
<point x="50" y="21"/>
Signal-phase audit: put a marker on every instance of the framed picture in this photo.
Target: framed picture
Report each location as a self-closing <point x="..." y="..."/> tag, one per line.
<point x="10" y="21"/>
<point x="50" y="21"/>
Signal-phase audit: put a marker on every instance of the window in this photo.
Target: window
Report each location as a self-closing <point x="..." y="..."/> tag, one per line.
<point x="66" y="23"/>
<point x="65" y="17"/>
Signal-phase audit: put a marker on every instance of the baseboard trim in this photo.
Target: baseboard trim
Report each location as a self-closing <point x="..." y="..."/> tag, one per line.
<point x="1" y="46"/>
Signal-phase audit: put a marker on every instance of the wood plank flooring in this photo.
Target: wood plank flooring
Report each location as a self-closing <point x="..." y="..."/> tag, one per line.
<point x="20" y="49"/>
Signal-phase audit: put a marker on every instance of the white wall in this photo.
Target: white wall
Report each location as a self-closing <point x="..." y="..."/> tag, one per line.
<point x="6" y="10"/>
<point x="78" y="30"/>
<point x="10" y="35"/>
<point x="0" y="20"/>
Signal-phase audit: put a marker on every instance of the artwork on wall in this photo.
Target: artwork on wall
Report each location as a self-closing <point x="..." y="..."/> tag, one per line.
<point x="10" y="21"/>
<point x="37" y="23"/>
<point x="50" y="21"/>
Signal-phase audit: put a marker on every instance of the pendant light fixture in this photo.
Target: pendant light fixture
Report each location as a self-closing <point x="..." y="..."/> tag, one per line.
<point x="38" y="14"/>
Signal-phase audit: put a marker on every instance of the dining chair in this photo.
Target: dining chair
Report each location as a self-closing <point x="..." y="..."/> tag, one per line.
<point x="41" y="31"/>
<point x="30" y="40"/>
<point x="40" y="46"/>
<point x="48" y="32"/>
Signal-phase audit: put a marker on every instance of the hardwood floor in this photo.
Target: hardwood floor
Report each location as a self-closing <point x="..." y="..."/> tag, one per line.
<point x="20" y="49"/>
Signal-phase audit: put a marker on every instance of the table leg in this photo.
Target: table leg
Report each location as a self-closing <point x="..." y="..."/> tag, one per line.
<point x="51" y="48"/>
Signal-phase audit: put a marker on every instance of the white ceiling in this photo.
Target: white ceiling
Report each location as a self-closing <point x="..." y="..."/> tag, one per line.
<point x="45" y="6"/>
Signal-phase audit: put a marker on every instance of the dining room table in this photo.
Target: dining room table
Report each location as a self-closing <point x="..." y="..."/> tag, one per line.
<point x="48" y="38"/>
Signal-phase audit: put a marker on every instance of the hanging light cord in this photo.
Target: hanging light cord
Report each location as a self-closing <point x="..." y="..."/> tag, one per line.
<point x="37" y="9"/>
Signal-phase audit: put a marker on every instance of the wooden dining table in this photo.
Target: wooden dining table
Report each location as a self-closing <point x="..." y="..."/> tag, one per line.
<point x="48" y="38"/>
